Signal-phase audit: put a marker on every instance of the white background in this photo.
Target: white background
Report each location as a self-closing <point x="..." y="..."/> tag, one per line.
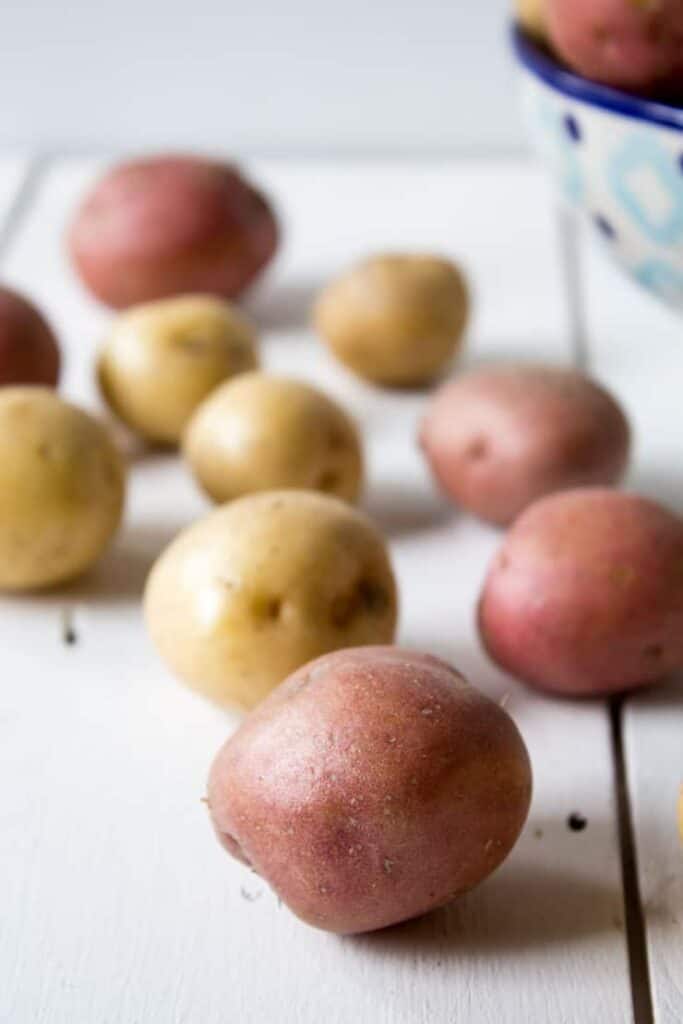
<point x="266" y="76"/>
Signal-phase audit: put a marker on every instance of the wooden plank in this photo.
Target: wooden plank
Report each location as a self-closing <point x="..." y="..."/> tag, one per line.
<point x="635" y="346"/>
<point x="14" y="177"/>
<point x="121" y="906"/>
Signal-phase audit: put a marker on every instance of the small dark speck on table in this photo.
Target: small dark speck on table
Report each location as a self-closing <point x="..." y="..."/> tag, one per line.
<point x="69" y="634"/>
<point x="251" y="895"/>
<point x="576" y="822"/>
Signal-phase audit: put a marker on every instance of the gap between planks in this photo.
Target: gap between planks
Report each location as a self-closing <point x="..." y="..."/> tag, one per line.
<point x="639" y="972"/>
<point x="20" y="204"/>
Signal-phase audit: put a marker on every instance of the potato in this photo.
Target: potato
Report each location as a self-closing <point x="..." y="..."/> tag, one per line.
<point x="162" y="359"/>
<point x="169" y="225"/>
<point x="29" y="352"/>
<point x="630" y="44"/>
<point x="372" y="786"/>
<point x="586" y="595"/>
<point x="260" y="586"/>
<point x="397" y="319"/>
<point x="531" y="15"/>
<point x="264" y="433"/>
<point x="500" y="437"/>
<point x="61" y="489"/>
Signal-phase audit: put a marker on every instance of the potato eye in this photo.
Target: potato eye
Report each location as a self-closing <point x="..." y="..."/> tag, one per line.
<point x="328" y="481"/>
<point x="373" y="596"/>
<point x="477" y="449"/>
<point x="266" y="608"/>
<point x="366" y="595"/>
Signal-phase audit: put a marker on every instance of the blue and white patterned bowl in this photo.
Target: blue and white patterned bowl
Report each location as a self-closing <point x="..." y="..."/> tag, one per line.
<point x="616" y="157"/>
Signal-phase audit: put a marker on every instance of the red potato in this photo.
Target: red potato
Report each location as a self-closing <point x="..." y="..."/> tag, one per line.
<point x="29" y="352"/>
<point x="171" y="225"/>
<point x="586" y="594"/>
<point x="372" y="786"/>
<point x="501" y="437"/>
<point x="629" y="44"/>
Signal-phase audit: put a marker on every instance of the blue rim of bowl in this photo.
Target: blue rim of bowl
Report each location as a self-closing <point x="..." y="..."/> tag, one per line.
<point x="544" y="66"/>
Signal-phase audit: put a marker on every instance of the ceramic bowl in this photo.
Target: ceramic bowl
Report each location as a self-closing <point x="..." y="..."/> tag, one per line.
<point x="617" y="158"/>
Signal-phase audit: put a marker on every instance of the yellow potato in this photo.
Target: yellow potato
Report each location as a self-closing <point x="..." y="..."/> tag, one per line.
<point x="61" y="489"/>
<point x="163" y="358"/>
<point x="397" y="319"/>
<point x="261" y="586"/>
<point x="532" y="15"/>
<point x="264" y="433"/>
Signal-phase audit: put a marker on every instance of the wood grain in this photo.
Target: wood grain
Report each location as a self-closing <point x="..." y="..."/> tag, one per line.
<point x="118" y="906"/>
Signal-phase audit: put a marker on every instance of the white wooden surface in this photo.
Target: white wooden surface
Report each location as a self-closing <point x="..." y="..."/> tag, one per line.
<point x="117" y="905"/>
<point x="13" y="177"/>
<point x="636" y="345"/>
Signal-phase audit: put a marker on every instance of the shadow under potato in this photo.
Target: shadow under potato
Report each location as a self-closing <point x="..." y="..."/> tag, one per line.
<point x="400" y="508"/>
<point x="523" y="907"/>
<point x="282" y="307"/>
<point x="121" y="573"/>
<point x="509" y="352"/>
<point x="664" y="697"/>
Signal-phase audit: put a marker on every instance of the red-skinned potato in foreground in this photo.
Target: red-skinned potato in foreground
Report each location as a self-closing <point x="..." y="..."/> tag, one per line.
<point x="635" y="45"/>
<point x="29" y="352"/>
<point x="586" y="594"/>
<point x="372" y="786"/>
<point x="171" y="225"/>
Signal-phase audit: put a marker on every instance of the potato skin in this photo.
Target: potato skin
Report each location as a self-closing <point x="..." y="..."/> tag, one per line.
<point x="396" y="319"/>
<point x="501" y="437"/>
<point x="532" y="16"/>
<point x="29" y="351"/>
<point x="264" y="433"/>
<point x="162" y="359"/>
<point x="586" y="595"/>
<point x="61" y="489"/>
<point x="262" y="585"/>
<point x="372" y="786"/>
<point x="629" y="44"/>
<point x="169" y="225"/>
